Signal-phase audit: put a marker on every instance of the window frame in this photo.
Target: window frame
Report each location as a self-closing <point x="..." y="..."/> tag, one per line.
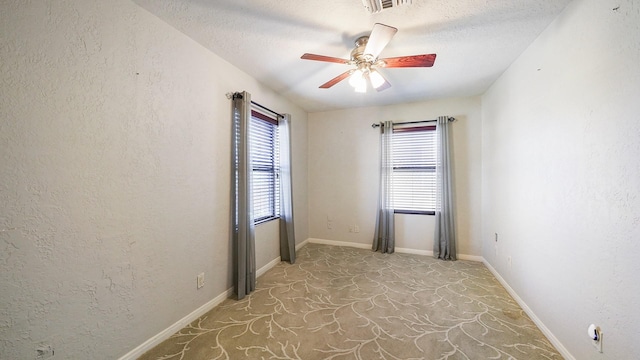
<point x="428" y="168"/>
<point x="274" y="192"/>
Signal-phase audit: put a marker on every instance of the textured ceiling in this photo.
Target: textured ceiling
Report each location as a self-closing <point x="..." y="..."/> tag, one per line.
<point x="475" y="40"/>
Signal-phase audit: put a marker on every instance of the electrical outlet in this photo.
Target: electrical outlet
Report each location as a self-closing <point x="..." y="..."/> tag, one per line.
<point x="44" y="352"/>
<point x="356" y="228"/>
<point x="329" y="224"/>
<point x="351" y="228"/>
<point x="598" y="344"/>
<point x="200" y="280"/>
<point x="596" y="336"/>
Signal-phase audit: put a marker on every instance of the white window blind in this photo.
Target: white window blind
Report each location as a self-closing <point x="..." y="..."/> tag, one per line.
<point x="266" y="167"/>
<point x="414" y="170"/>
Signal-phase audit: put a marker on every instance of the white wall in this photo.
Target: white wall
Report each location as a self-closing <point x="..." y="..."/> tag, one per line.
<point x="343" y="168"/>
<point x="115" y="133"/>
<point x="561" y="176"/>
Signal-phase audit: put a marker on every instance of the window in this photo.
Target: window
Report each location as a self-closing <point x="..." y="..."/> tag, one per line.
<point x="266" y="167"/>
<point x="414" y="170"/>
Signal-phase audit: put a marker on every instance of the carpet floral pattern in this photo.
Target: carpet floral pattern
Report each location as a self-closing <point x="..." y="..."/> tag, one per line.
<point x="348" y="303"/>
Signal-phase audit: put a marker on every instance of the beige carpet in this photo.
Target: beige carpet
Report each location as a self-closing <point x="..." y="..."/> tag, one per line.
<point x="347" y="303"/>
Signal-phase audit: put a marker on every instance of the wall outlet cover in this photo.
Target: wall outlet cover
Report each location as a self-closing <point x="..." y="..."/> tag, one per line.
<point x="200" y="280"/>
<point x="44" y="352"/>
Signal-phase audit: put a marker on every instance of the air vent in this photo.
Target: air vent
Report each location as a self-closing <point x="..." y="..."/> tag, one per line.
<point x="375" y="6"/>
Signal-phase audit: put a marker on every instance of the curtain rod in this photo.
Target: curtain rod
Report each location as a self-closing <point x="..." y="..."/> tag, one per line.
<point x="267" y="109"/>
<point x="239" y="95"/>
<point x="451" y="119"/>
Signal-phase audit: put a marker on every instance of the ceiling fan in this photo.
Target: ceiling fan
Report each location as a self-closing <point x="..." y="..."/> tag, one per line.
<point x="365" y="58"/>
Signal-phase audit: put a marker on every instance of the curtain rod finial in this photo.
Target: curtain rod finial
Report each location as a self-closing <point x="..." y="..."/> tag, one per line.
<point x="233" y="95"/>
<point x="374" y="125"/>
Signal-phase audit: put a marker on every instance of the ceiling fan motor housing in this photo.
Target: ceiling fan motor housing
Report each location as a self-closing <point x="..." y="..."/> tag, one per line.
<point x="357" y="54"/>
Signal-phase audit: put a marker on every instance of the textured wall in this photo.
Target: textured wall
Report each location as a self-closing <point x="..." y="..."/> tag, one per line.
<point x="114" y="130"/>
<point x="561" y="176"/>
<point x="343" y="168"/>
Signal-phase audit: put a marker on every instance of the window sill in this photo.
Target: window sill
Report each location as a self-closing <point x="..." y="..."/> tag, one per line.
<point x="262" y="221"/>
<point x="414" y="212"/>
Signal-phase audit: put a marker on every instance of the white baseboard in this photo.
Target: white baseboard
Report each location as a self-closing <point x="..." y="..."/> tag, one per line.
<point x="470" y="257"/>
<point x="558" y="345"/>
<point x="414" y="251"/>
<point x="338" y="243"/>
<point x="166" y="333"/>
<point x="398" y="250"/>
<point x="194" y="315"/>
<point x="302" y="244"/>
<point x="268" y="267"/>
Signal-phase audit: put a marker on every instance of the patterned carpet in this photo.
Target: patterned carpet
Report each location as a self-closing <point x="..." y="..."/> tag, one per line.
<point x="348" y="303"/>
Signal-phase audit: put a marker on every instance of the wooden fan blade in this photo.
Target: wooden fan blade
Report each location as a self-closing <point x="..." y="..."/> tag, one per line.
<point x="336" y="79"/>
<point x="425" y="60"/>
<point x="379" y="38"/>
<point x="324" y="58"/>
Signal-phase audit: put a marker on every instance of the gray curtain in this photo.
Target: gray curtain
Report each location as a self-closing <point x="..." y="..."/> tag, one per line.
<point x="242" y="226"/>
<point x="384" y="237"/>
<point x="287" y="233"/>
<point x="444" y="240"/>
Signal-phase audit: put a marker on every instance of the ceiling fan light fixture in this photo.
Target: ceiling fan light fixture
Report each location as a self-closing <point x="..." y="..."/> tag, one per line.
<point x="362" y="88"/>
<point x="357" y="79"/>
<point x="376" y="79"/>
